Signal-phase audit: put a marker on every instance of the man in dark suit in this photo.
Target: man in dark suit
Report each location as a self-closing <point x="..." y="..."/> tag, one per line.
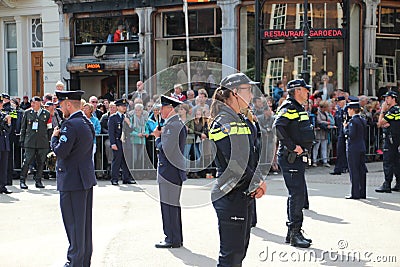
<point x="35" y="125"/>
<point x="5" y="129"/>
<point x="355" y="132"/>
<point x="115" y="124"/>
<point x="171" y="173"/>
<point x="73" y="145"/>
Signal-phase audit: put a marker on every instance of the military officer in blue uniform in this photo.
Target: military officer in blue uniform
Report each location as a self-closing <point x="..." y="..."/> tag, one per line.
<point x="35" y="127"/>
<point x="296" y="135"/>
<point x="171" y="171"/>
<point x="341" y="158"/>
<point x="5" y="129"/>
<point x="115" y="125"/>
<point x="239" y="180"/>
<point x="73" y="145"/>
<point x="355" y="133"/>
<point x="389" y="120"/>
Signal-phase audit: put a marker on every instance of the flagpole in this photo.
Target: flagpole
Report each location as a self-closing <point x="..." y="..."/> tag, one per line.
<point x="185" y="11"/>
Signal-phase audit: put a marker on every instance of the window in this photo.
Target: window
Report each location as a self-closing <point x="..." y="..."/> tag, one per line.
<point x="298" y="66"/>
<point x="201" y="22"/>
<point x="274" y="73"/>
<point x="278" y="17"/>
<point x="389" y="20"/>
<point x="102" y="29"/>
<point x="11" y="57"/>
<point x="387" y="64"/>
<point x="300" y="16"/>
<point x="37" y="33"/>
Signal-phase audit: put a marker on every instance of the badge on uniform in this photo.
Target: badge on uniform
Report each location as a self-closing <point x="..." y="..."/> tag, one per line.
<point x="119" y="126"/>
<point x="282" y="111"/>
<point x="63" y="139"/>
<point x="64" y="130"/>
<point x="35" y="125"/>
<point x="226" y="128"/>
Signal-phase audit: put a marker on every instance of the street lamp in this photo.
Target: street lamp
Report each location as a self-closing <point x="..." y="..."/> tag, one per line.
<point x="305" y="73"/>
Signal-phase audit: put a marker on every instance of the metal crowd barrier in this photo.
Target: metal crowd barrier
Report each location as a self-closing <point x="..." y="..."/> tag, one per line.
<point x="146" y="156"/>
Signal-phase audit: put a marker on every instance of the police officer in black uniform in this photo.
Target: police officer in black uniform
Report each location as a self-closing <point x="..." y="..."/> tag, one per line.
<point x="389" y="120"/>
<point x="73" y="145"/>
<point x="239" y="179"/>
<point x="5" y="129"/>
<point x="115" y="125"/>
<point x="295" y="135"/>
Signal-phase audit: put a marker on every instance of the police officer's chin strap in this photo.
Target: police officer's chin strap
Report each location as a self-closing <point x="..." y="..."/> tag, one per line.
<point x="246" y="111"/>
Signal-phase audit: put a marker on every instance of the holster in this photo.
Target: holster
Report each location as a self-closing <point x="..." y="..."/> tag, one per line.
<point x="291" y="158"/>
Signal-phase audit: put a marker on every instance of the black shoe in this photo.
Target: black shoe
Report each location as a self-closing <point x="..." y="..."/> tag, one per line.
<point x="296" y="240"/>
<point x="38" y="184"/>
<point x="164" y="244"/>
<point x="383" y="189"/>
<point x="287" y="239"/>
<point x="335" y="173"/>
<point x="351" y="197"/>
<point x="66" y="264"/>
<point x="129" y="182"/>
<point x="4" y="190"/>
<point x="306" y="207"/>
<point x="23" y="185"/>
<point x="396" y="188"/>
<point x="114" y="182"/>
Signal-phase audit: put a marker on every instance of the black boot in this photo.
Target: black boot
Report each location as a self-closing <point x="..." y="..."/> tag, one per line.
<point x="396" y="188"/>
<point x="296" y="239"/>
<point x="287" y="239"/>
<point x="38" y="183"/>
<point x="22" y="184"/>
<point x="385" y="188"/>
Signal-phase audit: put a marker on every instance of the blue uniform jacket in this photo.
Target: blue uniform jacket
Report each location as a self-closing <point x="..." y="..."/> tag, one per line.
<point x="356" y="132"/>
<point x="75" y="169"/>
<point x="171" y="162"/>
<point x="115" y="123"/>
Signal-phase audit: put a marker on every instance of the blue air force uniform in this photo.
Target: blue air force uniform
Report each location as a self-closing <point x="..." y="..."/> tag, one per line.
<point x="115" y="124"/>
<point x="341" y="159"/>
<point x="171" y="173"/>
<point x="75" y="180"/>
<point x="355" y="133"/>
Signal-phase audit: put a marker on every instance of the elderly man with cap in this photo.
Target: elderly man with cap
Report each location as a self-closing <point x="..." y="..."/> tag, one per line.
<point x="296" y="136"/>
<point x="355" y="133"/>
<point x="341" y="159"/>
<point x="171" y="172"/>
<point x="115" y="129"/>
<point x="389" y="120"/>
<point x="73" y="144"/>
<point x="5" y="129"/>
<point x="35" y="127"/>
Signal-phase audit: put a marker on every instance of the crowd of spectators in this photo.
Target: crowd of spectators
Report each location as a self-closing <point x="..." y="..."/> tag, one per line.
<point x="143" y="116"/>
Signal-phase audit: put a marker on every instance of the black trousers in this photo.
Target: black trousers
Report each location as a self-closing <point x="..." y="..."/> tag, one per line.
<point x="76" y="210"/>
<point x="293" y="174"/>
<point x="391" y="160"/>
<point x="234" y="212"/>
<point x="3" y="168"/>
<point x="358" y="173"/>
<point x="341" y="157"/>
<point x="170" y="195"/>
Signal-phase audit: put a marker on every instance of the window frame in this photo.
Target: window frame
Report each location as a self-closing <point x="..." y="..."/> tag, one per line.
<point x="298" y="65"/>
<point x="299" y="24"/>
<point x="269" y="79"/>
<point x="385" y="66"/>
<point x="7" y="52"/>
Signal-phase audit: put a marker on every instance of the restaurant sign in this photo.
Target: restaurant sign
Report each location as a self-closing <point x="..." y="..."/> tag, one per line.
<point x="297" y="34"/>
